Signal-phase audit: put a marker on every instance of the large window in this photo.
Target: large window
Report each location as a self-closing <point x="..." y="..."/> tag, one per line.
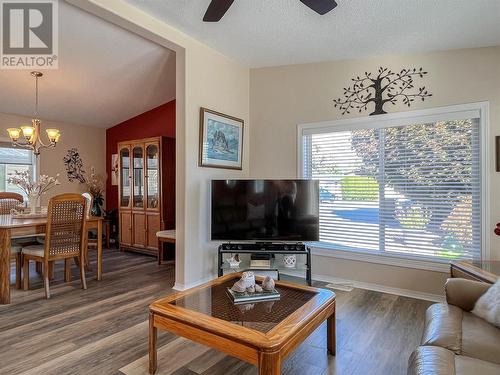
<point x="12" y="160"/>
<point x="408" y="186"/>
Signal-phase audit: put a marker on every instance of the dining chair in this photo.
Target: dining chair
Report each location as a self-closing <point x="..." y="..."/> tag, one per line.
<point x="91" y="243"/>
<point x="65" y="238"/>
<point x="8" y="201"/>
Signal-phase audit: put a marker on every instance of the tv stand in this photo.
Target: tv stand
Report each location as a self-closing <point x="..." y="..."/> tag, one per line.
<point x="273" y="249"/>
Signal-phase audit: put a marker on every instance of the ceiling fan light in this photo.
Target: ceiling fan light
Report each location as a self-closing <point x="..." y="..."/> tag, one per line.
<point x="14" y="133"/>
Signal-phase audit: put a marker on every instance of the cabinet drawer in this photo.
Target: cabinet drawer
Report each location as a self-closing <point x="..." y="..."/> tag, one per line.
<point x="153" y="225"/>
<point x="139" y="229"/>
<point x="126" y="228"/>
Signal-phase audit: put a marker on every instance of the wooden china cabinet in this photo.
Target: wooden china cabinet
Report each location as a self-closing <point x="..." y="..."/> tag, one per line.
<point x="146" y="191"/>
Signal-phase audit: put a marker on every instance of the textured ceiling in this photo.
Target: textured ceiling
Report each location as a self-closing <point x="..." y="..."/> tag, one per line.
<point x="106" y="75"/>
<point x="278" y="32"/>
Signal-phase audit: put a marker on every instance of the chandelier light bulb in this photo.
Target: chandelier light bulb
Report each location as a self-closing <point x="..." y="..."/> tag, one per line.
<point x="14" y="133"/>
<point x="28" y="132"/>
<point x="53" y="134"/>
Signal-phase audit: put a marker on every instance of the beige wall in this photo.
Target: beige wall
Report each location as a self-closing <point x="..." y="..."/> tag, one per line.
<point x="208" y="70"/>
<point x="204" y="78"/>
<point x="90" y="142"/>
<point x="282" y="97"/>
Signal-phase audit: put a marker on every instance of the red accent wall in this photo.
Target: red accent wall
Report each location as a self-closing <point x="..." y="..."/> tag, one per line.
<point x="159" y="121"/>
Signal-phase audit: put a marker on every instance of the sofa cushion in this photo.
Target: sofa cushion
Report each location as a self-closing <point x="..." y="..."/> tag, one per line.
<point x="472" y="366"/>
<point x="443" y="327"/>
<point x="480" y="339"/>
<point x="464" y="293"/>
<point x="36" y="250"/>
<point x="431" y="360"/>
<point x="488" y="305"/>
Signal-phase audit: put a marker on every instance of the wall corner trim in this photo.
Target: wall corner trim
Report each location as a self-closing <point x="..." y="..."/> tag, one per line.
<point x="182" y="287"/>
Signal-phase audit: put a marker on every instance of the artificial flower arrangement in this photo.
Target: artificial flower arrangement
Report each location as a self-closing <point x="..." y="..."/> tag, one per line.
<point x="95" y="185"/>
<point x="33" y="189"/>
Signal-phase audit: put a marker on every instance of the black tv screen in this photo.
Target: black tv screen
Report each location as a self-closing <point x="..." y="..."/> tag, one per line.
<point x="267" y="210"/>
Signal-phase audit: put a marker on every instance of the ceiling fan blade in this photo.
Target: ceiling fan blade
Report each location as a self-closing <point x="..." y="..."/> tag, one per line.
<point x="320" y="6"/>
<point x="216" y="10"/>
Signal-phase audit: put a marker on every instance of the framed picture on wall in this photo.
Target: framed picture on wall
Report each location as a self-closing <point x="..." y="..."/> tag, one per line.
<point x="114" y="169"/>
<point x="221" y="140"/>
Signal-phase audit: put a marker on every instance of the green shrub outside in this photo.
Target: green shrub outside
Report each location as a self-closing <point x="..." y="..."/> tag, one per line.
<point x="359" y="188"/>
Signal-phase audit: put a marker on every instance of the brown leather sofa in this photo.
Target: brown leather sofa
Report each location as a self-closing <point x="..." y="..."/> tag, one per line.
<point x="456" y="342"/>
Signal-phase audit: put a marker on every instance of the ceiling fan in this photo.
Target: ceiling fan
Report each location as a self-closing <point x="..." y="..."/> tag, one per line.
<point x="217" y="8"/>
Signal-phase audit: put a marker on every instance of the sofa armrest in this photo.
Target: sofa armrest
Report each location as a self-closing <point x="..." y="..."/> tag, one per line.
<point x="464" y="293"/>
<point x="443" y="327"/>
<point x="431" y="360"/>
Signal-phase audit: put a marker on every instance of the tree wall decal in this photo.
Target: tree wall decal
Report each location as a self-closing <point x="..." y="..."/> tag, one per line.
<point x="384" y="87"/>
<point x="74" y="166"/>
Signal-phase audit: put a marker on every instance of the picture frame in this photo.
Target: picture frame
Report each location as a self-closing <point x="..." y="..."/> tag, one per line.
<point x="497" y="153"/>
<point x="221" y="140"/>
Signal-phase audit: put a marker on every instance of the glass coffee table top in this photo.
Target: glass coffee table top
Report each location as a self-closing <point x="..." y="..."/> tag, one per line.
<point x="214" y="301"/>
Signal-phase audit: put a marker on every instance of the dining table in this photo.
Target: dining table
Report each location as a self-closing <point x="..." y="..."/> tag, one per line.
<point x="12" y="227"/>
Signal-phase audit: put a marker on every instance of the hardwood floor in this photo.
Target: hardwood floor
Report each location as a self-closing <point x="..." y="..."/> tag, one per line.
<point x="104" y="329"/>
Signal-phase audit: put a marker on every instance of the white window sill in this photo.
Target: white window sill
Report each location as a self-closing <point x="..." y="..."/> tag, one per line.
<point x="399" y="260"/>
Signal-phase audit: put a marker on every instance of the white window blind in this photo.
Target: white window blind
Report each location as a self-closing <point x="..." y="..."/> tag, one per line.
<point x="409" y="189"/>
<point x="14" y="160"/>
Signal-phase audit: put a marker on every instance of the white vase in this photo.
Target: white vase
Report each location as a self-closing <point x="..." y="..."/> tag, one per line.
<point x="290" y="261"/>
<point x="33" y="203"/>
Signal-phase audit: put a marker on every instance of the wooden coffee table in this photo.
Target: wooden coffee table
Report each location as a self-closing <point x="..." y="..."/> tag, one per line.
<point x="262" y="333"/>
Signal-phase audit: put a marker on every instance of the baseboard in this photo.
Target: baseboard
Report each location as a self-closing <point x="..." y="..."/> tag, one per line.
<point x="181" y="287"/>
<point x="330" y="279"/>
<point x="372" y="286"/>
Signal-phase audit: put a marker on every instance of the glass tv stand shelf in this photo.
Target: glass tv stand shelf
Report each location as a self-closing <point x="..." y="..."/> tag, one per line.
<point x="303" y="259"/>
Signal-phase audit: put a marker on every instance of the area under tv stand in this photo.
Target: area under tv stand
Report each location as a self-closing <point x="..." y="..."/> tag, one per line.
<point x="296" y="248"/>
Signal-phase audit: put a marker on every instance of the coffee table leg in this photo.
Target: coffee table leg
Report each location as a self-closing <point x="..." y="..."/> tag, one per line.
<point x="269" y="363"/>
<point x="330" y="333"/>
<point x="153" y="332"/>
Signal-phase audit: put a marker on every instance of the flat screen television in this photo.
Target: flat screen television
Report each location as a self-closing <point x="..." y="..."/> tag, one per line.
<point x="265" y="210"/>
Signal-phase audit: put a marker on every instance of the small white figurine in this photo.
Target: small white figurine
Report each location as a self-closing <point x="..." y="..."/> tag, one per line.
<point x="234" y="261"/>
<point x="268" y="284"/>
<point x="247" y="280"/>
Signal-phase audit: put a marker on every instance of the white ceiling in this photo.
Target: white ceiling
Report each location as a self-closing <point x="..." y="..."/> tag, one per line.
<point x="279" y="32"/>
<point x="106" y="75"/>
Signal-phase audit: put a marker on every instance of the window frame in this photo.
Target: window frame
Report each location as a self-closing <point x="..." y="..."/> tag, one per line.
<point x="455" y="112"/>
<point x="34" y="160"/>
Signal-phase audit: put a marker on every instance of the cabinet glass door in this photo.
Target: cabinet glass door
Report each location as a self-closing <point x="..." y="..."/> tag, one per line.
<point x="125" y="177"/>
<point x="153" y="176"/>
<point x="138" y="176"/>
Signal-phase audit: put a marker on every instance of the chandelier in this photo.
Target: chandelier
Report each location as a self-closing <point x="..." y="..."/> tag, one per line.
<point x="31" y="137"/>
